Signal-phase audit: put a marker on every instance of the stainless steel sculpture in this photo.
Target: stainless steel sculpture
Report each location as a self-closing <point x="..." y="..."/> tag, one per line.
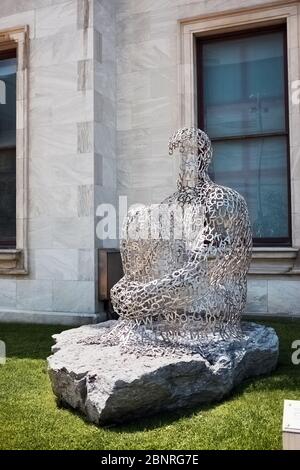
<point x="189" y="281"/>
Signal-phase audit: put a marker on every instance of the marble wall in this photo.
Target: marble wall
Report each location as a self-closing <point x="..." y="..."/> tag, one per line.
<point x="276" y="295"/>
<point x="69" y="119"/>
<point x="149" y="110"/>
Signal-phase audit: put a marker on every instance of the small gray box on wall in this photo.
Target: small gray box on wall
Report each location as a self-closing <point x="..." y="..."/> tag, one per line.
<point x="291" y="425"/>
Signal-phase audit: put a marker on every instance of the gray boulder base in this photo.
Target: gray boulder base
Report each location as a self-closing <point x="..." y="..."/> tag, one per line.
<point x="111" y="386"/>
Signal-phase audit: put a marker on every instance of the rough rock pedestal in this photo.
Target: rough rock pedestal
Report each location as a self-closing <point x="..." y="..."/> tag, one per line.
<point x="111" y="386"/>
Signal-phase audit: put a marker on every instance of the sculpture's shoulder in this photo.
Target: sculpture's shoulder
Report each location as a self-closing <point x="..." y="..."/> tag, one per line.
<point x="137" y="211"/>
<point x="222" y="196"/>
<point x="137" y="218"/>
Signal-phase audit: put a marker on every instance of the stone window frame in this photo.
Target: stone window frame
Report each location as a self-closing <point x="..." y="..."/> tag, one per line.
<point x="15" y="261"/>
<point x="270" y="260"/>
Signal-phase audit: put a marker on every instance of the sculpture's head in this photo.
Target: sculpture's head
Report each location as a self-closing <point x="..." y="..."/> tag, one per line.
<point x="195" y="147"/>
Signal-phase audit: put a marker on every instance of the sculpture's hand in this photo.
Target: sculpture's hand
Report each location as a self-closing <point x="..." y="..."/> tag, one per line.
<point x="176" y="290"/>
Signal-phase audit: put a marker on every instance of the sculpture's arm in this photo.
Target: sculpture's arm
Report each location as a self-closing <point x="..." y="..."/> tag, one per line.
<point x="174" y="290"/>
<point x="139" y="300"/>
<point x="226" y="229"/>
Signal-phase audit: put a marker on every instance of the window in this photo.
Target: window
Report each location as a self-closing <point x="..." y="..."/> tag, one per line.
<point x="242" y="105"/>
<point x="14" y="147"/>
<point x="8" y="71"/>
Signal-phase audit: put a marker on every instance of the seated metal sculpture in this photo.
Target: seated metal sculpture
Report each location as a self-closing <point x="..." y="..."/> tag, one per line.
<point x="194" y="284"/>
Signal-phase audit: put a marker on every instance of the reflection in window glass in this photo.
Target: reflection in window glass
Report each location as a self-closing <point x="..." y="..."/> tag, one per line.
<point x="244" y="86"/>
<point x="257" y="169"/>
<point x="243" y="110"/>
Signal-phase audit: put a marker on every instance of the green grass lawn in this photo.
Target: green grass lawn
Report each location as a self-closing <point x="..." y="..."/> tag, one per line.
<point x="30" y="419"/>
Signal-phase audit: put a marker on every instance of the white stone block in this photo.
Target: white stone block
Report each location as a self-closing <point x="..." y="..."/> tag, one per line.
<point x="72" y="170"/>
<point x="40" y="172"/>
<point x="40" y="233"/>
<point x="257" y="300"/>
<point x="296" y="228"/>
<point x="87" y="265"/>
<point x="54" y="80"/>
<point x="73" y="233"/>
<point x="109" y="168"/>
<point x="105" y="79"/>
<point x="124" y="58"/>
<point x="56" y="18"/>
<point x="40" y="109"/>
<point x="153" y="112"/>
<point x="105" y="143"/>
<point x="57" y="264"/>
<point x="284" y="297"/>
<point x="155" y="53"/>
<point x="76" y="296"/>
<point x="104" y="15"/>
<point x="53" y="201"/>
<point x="295" y="188"/>
<point x="34" y="295"/>
<point x="42" y="142"/>
<point x="8" y="293"/>
<point x="74" y="107"/>
<point x="63" y="48"/>
<point x="104" y="111"/>
<point x="98" y="169"/>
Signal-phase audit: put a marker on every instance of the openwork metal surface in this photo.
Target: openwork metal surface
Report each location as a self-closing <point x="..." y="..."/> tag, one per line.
<point x="185" y="260"/>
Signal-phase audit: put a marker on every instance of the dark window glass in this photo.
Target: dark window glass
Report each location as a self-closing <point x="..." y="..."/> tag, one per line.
<point x="242" y="107"/>
<point x="8" y="69"/>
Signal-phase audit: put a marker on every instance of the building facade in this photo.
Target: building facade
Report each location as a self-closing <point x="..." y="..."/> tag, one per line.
<point x="90" y="92"/>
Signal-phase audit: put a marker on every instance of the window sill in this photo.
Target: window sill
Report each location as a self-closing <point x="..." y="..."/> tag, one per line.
<point x="12" y="262"/>
<point x="277" y="260"/>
